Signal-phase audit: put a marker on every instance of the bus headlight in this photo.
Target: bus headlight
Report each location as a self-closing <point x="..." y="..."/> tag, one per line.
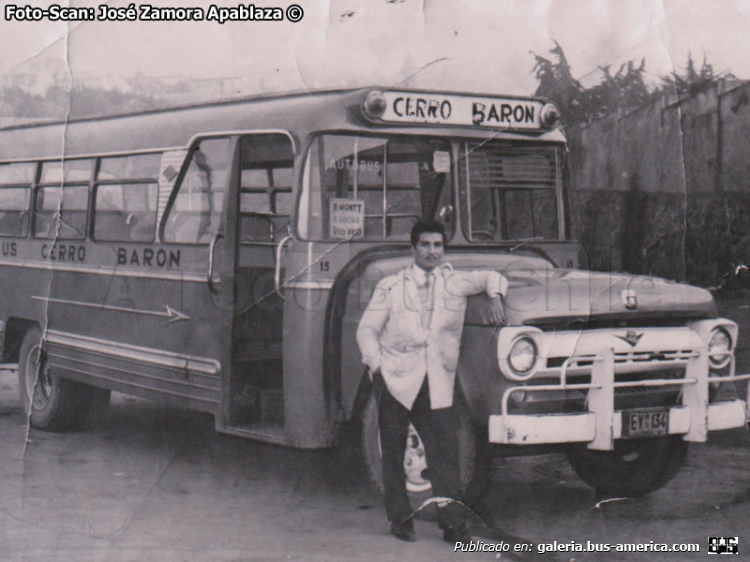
<point x="522" y="357"/>
<point x="719" y="349"/>
<point x="375" y="105"/>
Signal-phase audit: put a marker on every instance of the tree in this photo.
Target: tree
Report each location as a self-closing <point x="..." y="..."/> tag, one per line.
<point x="692" y="81"/>
<point x="626" y="88"/>
<point x="556" y="83"/>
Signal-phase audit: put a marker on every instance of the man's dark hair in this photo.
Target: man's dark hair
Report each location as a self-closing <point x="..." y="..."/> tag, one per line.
<point x="423" y="227"/>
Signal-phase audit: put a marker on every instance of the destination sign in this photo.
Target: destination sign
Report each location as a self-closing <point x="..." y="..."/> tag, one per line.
<point x="347" y="218"/>
<point x="451" y="109"/>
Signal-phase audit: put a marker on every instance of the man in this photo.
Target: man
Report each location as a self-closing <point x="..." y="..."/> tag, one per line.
<point x="409" y="337"/>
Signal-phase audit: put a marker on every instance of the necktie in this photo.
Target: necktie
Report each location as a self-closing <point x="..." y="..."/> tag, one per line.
<point x="428" y="303"/>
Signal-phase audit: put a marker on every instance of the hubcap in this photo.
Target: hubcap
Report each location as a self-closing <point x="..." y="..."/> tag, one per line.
<point x="38" y="380"/>
<point x="415" y="463"/>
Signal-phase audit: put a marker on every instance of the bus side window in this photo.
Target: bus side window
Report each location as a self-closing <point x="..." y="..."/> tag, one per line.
<point x="15" y="193"/>
<point x="125" y="212"/>
<point x="125" y="198"/>
<point x="62" y="201"/>
<point x="266" y="199"/>
<point x="195" y="215"/>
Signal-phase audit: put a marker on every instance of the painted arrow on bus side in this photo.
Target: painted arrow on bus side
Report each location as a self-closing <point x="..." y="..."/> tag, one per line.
<point x="170" y="313"/>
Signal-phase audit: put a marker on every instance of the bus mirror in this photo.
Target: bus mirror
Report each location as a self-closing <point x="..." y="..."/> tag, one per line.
<point x="446" y="214"/>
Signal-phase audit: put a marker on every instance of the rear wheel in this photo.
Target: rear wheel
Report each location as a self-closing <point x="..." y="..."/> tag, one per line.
<point x="635" y="467"/>
<point x="416" y="470"/>
<point x="50" y="402"/>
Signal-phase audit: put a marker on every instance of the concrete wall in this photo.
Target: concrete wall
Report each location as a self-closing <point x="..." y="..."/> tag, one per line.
<point x="665" y="189"/>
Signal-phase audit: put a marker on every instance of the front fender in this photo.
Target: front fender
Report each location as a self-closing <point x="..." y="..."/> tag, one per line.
<point x="481" y="382"/>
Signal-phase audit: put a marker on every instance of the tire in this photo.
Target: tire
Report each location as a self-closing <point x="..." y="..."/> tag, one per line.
<point x="634" y="469"/>
<point x="50" y="402"/>
<point x="418" y="486"/>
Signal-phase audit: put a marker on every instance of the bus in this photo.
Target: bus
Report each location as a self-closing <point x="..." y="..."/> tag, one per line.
<point x="218" y="257"/>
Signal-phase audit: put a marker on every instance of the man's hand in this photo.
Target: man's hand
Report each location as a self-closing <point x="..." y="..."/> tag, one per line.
<point x="495" y="312"/>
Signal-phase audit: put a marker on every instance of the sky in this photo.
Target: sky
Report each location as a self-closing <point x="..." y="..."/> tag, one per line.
<point x="479" y="45"/>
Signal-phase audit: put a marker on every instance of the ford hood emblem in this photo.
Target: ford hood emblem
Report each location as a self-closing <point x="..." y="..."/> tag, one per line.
<point x="632" y="338"/>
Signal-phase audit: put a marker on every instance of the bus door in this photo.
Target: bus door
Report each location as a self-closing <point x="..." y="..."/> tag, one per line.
<point x="201" y="223"/>
<point x="264" y="204"/>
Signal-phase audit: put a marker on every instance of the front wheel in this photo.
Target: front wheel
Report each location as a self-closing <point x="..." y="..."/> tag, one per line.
<point x="635" y="468"/>
<point x="416" y="471"/>
<point x="50" y="402"/>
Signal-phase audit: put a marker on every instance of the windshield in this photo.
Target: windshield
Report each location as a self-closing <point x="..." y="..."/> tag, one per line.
<point x="373" y="188"/>
<point x="510" y="192"/>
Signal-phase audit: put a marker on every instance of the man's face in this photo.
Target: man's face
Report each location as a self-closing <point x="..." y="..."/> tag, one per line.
<point x="429" y="250"/>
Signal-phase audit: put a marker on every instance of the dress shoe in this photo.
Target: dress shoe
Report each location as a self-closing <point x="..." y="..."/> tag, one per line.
<point x="403" y="530"/>
<point x="456" y="534"/>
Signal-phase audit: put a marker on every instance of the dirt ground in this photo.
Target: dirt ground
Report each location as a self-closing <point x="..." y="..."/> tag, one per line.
<point x="148" y="483"/>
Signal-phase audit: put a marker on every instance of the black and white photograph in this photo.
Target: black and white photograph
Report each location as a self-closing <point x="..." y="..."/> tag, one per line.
<point x="383" y="280"/>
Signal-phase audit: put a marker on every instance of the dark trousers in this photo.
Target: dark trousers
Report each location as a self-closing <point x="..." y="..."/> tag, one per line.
<point x="437" y="429"/>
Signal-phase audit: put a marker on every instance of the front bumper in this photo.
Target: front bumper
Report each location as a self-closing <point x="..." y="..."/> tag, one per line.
<point x="602" y="424"/>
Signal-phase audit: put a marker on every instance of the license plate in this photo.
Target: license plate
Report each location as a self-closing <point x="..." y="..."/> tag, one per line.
<point x="645" y="423"/>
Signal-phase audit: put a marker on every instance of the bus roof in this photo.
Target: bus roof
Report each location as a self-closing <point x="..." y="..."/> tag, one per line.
<point x="298" y="112"/>
<point x="177" y="107"/>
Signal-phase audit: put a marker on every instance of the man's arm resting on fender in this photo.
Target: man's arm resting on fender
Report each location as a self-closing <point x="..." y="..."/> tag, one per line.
<point x="467" y="283"/>
<point x="475" y="282"/>
<point x="497" y="287"/>
<point x="495" y="312"/>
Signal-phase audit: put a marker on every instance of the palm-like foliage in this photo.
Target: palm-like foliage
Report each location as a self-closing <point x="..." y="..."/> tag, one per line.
<point x="626" y="88"/>
<point x="692" y="80"/>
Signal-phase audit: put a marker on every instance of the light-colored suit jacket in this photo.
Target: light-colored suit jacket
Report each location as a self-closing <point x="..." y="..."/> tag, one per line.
<point x="391" y="336"/>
